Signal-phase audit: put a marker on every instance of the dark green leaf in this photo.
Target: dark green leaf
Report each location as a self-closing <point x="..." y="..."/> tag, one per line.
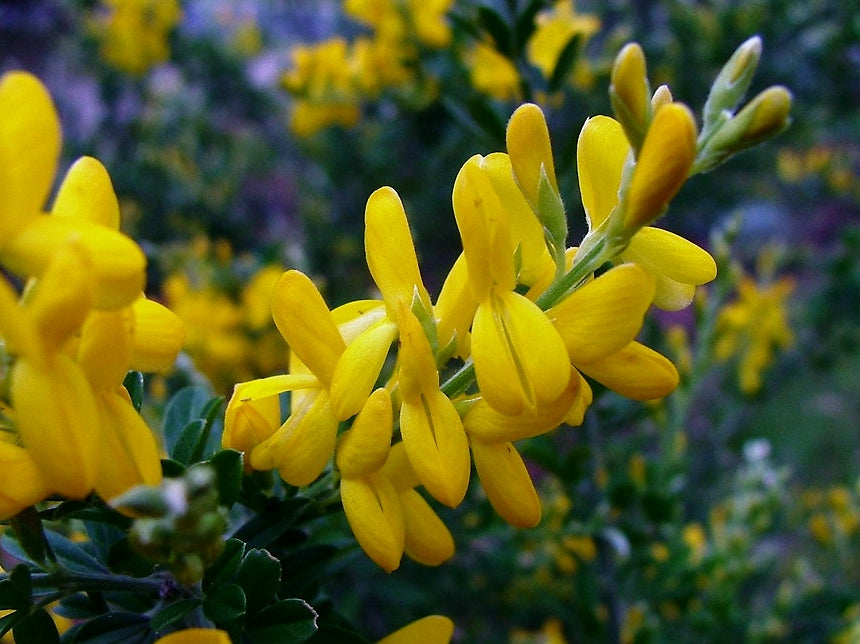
<point x="73" y="556"/>
<point x="103" y="536"/>
<point x="270" y="523"/>
<point x="495" y="25"/>
<point x="128" y="628"/>
<point x="7" y="622"/>
<point x="228" y="468"/>
<point x="80" y="606"/>
<point x="189" y="441"/>
<point x="566" y="60"/>
<point x="16" y="591"/>
<point x="289" y="621"/>
<point x="305" y="566"/>
<point x="30" y="535"/>
<point x="173" y="613"/>
<point x="329" y="633"/>
<point x="225" y="566"/>
<point x="525" y="23"/>
<point x="225" y="604"/>
<point x="37" y="628"/>
<point x="123" y="559"/>
<point x="172" y="469"/>
<point x="260" y="577"/>
<point x="133" y="384"/>
<point x="186" y="405"/>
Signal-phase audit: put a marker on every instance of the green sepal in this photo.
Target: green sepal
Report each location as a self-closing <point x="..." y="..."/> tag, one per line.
<point x="550" y="212"/>
<point x="427" y="320"/>
<point x="731" y="84"/>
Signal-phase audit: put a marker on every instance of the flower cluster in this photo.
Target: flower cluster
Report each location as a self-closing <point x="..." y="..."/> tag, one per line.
<point x="331" y="79"/>
<point x="79" y="325"/>
<point x="133" y="34"/>
<point x="521" y="319"/>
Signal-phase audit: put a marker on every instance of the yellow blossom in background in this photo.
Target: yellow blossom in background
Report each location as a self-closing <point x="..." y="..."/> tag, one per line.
<point x="493" y="73"/>
<point x="195" y="636"/>
<point x="550" y="633"/>
<point x="434" y="629"/>
<point x="753" y="328"/>
<point x="133" y="34"/>
<point x="556" y="27"/>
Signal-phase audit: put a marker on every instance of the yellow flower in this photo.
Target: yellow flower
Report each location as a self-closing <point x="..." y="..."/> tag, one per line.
<point x="133" y="33"/>
<point x="677" y="264"/>
<point x="556" y="27"/>
<point x="507" y="482"/>
<point x="195" y="636"/>
<point x="493" y="73"/>
<point x="434" y="629"/>
<point x="23" y="484"/>
<point x="754" y="327"/>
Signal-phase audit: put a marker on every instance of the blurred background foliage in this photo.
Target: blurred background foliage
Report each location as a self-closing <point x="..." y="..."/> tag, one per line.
<point x="244" y="138"/>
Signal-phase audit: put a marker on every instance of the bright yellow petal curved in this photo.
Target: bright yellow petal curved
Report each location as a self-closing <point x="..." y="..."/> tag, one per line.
<point x="118" y="263"/>
<point x="507" y="483"/>
<point x="520" y="359"/>
<point x="434" y="629"/>
<point x="23" y="485"/>
<point x="528" y="144"/>
<point x="399" y="470"/>
<point x="303" y="445"/>
<point x="353" y="318"/>
<point x="18" y="332"/>
<point x="58" y="419"/>
<point x="249" y="420"/>
<point x="636" y="372"/>
<point x="104" y="350"/>
<point x="358" y="368"/>
<point x="159" y="335"/>
<point x="455" y="308"/>
<point x="604" y="315"/>
<point x="128" y="452"/>
<point x="363" y="449"/>
<point x="418" y="373"/>
<point x="436" y="446"/>
<point x="601" y="152"/>
<point x="671" y="295"/>
<point x="302" y="317"/>
<point x="30" y="141"/>
<point x="390" y="251"/>
<point x="428" y="540"/>
<point x="372" y="508"/>
<point x="668" y="254"/>
<point x="196" y="636"/>
<point x="86" y="194"/>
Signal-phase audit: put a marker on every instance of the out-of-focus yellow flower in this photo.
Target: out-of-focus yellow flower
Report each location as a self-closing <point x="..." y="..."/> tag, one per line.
<point x="696" y="540"/>
<point x="754" y="327"/>
<point x="195" y="636"/>
<point x="550" y="633"/>
<point x="556" y="27"/>
<point x="134" y="34"/>
<point x="493" y="73"/>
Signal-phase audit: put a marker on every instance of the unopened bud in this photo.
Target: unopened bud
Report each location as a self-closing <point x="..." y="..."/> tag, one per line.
<point x="630" y="93"/>
<point x="733" y="81"/>
<point x="527" y="139"/>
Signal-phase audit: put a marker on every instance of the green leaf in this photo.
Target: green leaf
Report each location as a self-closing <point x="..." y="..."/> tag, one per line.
<point x="123" y="559"/>
<point x="37" y="628"/>
<point x="328" y="633"/>
<point x="307" y="565"/>
<point x="133" y="384"/>
<point x="566" y="60"/>
<point x="271" y="522"/>
<point x="172" y="469"/>
<point x="74" y="556"/>
<point x="103" y="536"/>
<point x="30" y="535"/>
<point x="188" y="405"/>
<point x="189" y="441"/>
<point x="225" y="604"/>
<point x="7" y="622"/>
<point x="228" y="468"/>
<point x="118" y="626"/>
<point x="494" y="24"/>
<point x="173" y="613"/>
<point x="289" y="621"/>
<point x="524" y="25"/>
<point x="16" y="591"/>
<point x="80" y="606"/>
<point x="225" y="566"/>
<point x="260" y="577"/>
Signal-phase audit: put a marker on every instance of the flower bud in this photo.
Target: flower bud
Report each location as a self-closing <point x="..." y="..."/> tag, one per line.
<point x="733" y="81"/>
<point x="630" y="93"/>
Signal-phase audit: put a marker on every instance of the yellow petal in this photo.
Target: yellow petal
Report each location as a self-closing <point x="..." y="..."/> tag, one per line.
<point x="529" y="147"/>
<point x="520" y="359"/>
<point x="671" y="295"/>
<point x="455" y="308"/>
<point x="58" y="419"/>
<point x="484" y="423"/>
<point x="29" y="150"/>
<point x="159" y="336"/>
<point x="359" y="367"/>
<point x="484" y="230"/>
<point x="104" y="351"/>
<point x="23" y="485"/>
<point x="601" y="152"/>
<point x="662" y="252"/>
<point x="196" y="636"/>
<point x="128" y="452"/>
<point x="417" y="374"/>
<point x="249" y="421"/>
<point x="16" y="329"/>
<point x="118" y="263"/>
<point x="663" y="165"/>
<point x="436" y="446"/>
<point x="390" y="252"/>
<point x="372" y="508"/>
<point x="304" y="320"/>
<point x="604" y="315"/>
<point x="576" y="413"/>
<point x="434" y="629"/>
<point x="507" y="483"/>
<point x="303" y="445"/>
<point x="354" y="318"/>
<point x="87" y="194"/>
<point x="636" y="371"/>
<point x="364" y="449"/>
<point x="399" y="470"/>
<point x="59" y="303"/>
<point x="427" y="541"/>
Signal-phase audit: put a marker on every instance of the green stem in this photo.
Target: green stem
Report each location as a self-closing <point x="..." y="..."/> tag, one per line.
<point x="73" y="583"/>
